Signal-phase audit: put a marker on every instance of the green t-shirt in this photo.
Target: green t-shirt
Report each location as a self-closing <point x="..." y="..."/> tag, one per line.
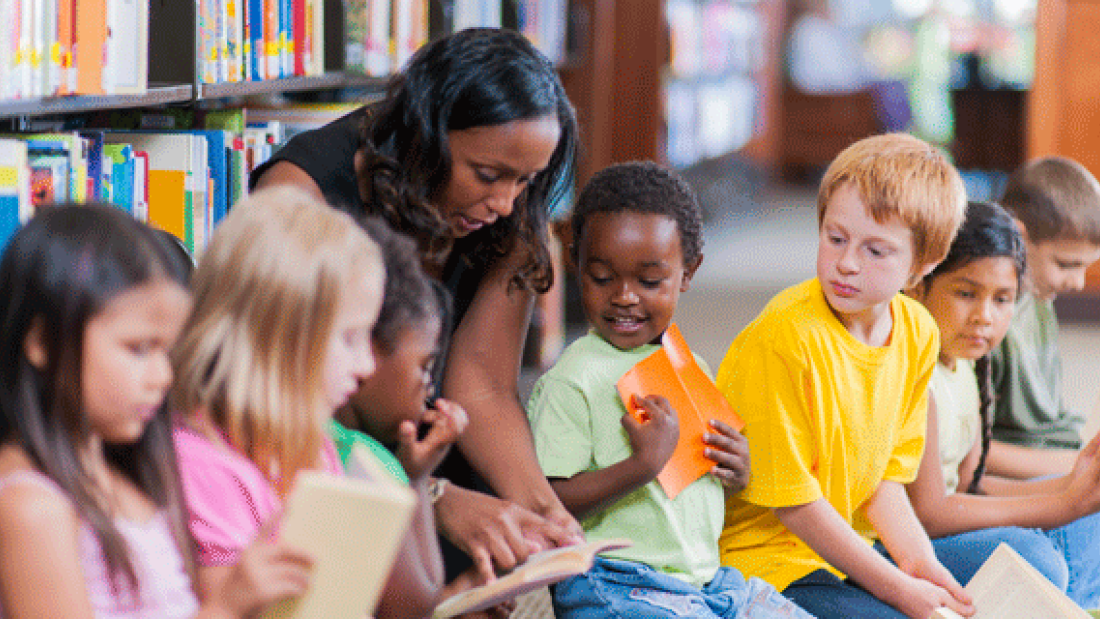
<point x="346" y="439"/>
<point x="1027" y="382"/>
<point x="575" y="414"/>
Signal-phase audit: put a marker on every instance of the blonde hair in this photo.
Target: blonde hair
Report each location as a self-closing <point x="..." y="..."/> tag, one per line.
<point x="266" y="292"/>
<point x="898" y="175"/>
<point x="1055" y="198"/>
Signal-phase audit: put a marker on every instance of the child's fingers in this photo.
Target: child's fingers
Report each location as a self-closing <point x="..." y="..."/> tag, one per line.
<point x="454" y="413"/>
<point x="483" y="563"/>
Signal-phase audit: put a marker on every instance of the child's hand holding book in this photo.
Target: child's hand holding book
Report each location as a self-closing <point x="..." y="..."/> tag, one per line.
<point x="653" y="436"/>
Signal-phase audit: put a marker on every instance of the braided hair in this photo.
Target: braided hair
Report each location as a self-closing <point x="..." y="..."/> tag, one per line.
<point x="988" y="231"/>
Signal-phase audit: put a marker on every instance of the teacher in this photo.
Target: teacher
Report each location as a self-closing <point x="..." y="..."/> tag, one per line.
<point x="472" y="144"/>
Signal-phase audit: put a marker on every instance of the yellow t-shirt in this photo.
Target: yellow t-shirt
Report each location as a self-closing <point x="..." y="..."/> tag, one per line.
<point x="826" y="416"/>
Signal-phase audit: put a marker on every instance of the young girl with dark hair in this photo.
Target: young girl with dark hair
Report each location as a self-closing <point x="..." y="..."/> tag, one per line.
<point x="91" y="515"/>
<point x="471" y="147"/>
<point x="1051" y="522"/>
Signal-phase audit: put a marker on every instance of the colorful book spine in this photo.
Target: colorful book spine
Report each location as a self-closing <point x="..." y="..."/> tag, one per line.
<point x="15" y="200"/>
<point x="234" y="50"/>
<point x="90" y="46"/>
<point x="378" y="59"/>
<point x="67" y="75"/>
<point x="298" y="40"/>
<point x="286" y="38"/>
<point x="257" y="56"/>
<point x="271" y="39"/>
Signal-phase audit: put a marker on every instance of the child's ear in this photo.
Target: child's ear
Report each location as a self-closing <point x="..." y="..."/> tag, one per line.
<point x="919" y="274"/>
<point x="689" y="272"/>
<point x="34" y="344"/>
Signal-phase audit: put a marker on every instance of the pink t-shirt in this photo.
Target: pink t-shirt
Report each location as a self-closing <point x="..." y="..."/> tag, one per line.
<point x="164" y="589"/>
<point x="227" y="496"/>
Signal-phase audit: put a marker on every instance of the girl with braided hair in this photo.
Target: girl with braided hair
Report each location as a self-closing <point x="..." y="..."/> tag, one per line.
<point x="1051" y="522"/>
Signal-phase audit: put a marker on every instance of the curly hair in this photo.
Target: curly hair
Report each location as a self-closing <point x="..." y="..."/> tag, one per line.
<point x="474" y="78"/>
<point x="642" y="187"/>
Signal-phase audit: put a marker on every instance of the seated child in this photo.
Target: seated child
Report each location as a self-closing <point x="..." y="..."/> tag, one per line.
<point x="637" y="243"/>
<point x="1056" y="204"/>
<point x="832" y="380"/>
<point x="390" y="407"/>
<point x="285" y="296"/>
<point x="92" y="522"/>
<point x="1054" y="524"/>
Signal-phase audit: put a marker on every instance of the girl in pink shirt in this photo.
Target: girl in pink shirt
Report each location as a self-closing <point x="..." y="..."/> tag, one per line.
<point x="285" y="297"/>
<point x="91" y="515"/>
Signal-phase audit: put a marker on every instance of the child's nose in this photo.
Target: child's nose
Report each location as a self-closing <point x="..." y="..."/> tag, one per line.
<point x="625" y="295"/>
<point x="848" y="262"/>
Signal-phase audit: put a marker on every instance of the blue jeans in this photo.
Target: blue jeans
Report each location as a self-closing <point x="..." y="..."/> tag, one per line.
<point x="615" y="588"/>
<point x="1079" y="543"/>
<point x="964" y="553"/>
<point x="824" y="595"/>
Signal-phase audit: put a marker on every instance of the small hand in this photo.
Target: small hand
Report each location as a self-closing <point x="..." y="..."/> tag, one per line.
<point x="934" y="587"/>
<point x="653" y="441"/>
<point x="420" y="457"/>
<point x="265" y="573"/>
<point x="730" y="451"/>
<point x="1083" y="482"/>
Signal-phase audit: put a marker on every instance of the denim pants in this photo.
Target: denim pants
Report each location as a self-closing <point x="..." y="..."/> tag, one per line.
<point x="615" y="588"/>
<point x="826" y="596"/>
<point x="1068" y="556"/>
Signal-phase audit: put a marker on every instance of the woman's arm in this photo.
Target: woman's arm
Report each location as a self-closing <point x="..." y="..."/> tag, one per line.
<point x="1019" y="462"/>
<point x="831" y="537"/>
<point x="481" y="374"/>
<point x="947" y="514"/>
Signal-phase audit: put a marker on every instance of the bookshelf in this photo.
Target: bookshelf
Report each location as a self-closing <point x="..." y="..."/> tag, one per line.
<point x="638" y="74"/>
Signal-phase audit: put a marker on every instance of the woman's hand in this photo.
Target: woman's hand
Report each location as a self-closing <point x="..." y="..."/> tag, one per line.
<point x="652" y="441"/>
<point x="730" y="451"/>
<point x="446" y="422"/>
<point x="496" y="534"/>
<point x="265" y="573"/>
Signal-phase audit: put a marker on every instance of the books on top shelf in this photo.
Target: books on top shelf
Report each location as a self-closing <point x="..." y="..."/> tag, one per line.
<point x="1008" y="587"/>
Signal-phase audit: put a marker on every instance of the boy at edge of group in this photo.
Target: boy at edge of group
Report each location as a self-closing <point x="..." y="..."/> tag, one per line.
<point x="1056" y="204"/>
<point x="832" y="380"/>
<point x="637" y="243"/>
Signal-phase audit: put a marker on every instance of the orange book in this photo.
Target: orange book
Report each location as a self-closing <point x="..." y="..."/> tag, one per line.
<point x="672" y="372"/>
<point x="67" y="81"/>
<point x="90" y="45"/>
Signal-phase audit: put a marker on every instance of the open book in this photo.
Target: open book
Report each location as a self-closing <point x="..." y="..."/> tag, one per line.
<point x="352" y="528"/>
<point x="1008" y="587"/>
<point x="540" y="569"/>
<point x="672" y="372"/>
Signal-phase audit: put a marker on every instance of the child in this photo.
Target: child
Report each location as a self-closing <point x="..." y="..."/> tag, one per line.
<point x="971" y="295"/>
<point x="1056" y="203"/>
<point x="831" y="379"/>
<point x="637" y="243"/>
<point x="285" y="296"/>
<point x="391" y="406"/>
<point x="91" y="520"/>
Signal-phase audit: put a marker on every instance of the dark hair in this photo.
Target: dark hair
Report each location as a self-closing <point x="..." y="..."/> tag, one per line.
<point x="1055" y="197"/>
<point x="642" y="187"/>
<point x="409" y="297"/>
<point x="59" y="272"/>
<point x="474" y="78"/>
<point x="988" y="231"/>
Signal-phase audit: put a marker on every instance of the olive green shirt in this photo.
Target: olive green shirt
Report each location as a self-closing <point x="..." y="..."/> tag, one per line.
<point x="1027" y="382"/>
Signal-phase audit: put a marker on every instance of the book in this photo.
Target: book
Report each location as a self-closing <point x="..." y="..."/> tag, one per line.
<point x="673" y="372"/>
<point x="352" y="527"/>
<point x="1008" y="587"/>
<point x="539" y="570"/>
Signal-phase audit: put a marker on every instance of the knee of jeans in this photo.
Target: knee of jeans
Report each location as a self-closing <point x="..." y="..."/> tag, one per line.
<point x="1041" y="554"/>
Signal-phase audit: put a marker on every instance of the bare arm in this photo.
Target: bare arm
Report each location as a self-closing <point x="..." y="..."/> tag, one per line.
<point x="651" y="445"/>
<point x="481" y="374"/>
<point x="830" y="536"/>
<point x="947" y="514"/>
<point x="1018" y="462"/>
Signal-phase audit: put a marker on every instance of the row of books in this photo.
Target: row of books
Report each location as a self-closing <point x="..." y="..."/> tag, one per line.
<point x="714" y="37"/>
<point x="45" y="50"/>
<point x="381" y="35"/>
<point x="182" y="181"/>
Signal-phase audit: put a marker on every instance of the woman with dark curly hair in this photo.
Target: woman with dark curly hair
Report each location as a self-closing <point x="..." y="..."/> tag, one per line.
<point x="472" y="144"/>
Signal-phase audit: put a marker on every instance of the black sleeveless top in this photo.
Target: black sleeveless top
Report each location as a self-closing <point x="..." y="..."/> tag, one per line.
<point x="327" y="154"/>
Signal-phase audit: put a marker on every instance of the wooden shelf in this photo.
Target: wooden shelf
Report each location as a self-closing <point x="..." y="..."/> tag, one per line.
<point x="290" y="84"/>
<point x="156" y="95"/>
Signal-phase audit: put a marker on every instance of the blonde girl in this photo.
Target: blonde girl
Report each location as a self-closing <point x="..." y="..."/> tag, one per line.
<point x="285" y="297"/>
<point x="91" y="514"/>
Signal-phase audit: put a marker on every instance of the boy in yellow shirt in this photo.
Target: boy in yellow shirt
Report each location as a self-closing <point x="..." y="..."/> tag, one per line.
<point x="832" y="381"/>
